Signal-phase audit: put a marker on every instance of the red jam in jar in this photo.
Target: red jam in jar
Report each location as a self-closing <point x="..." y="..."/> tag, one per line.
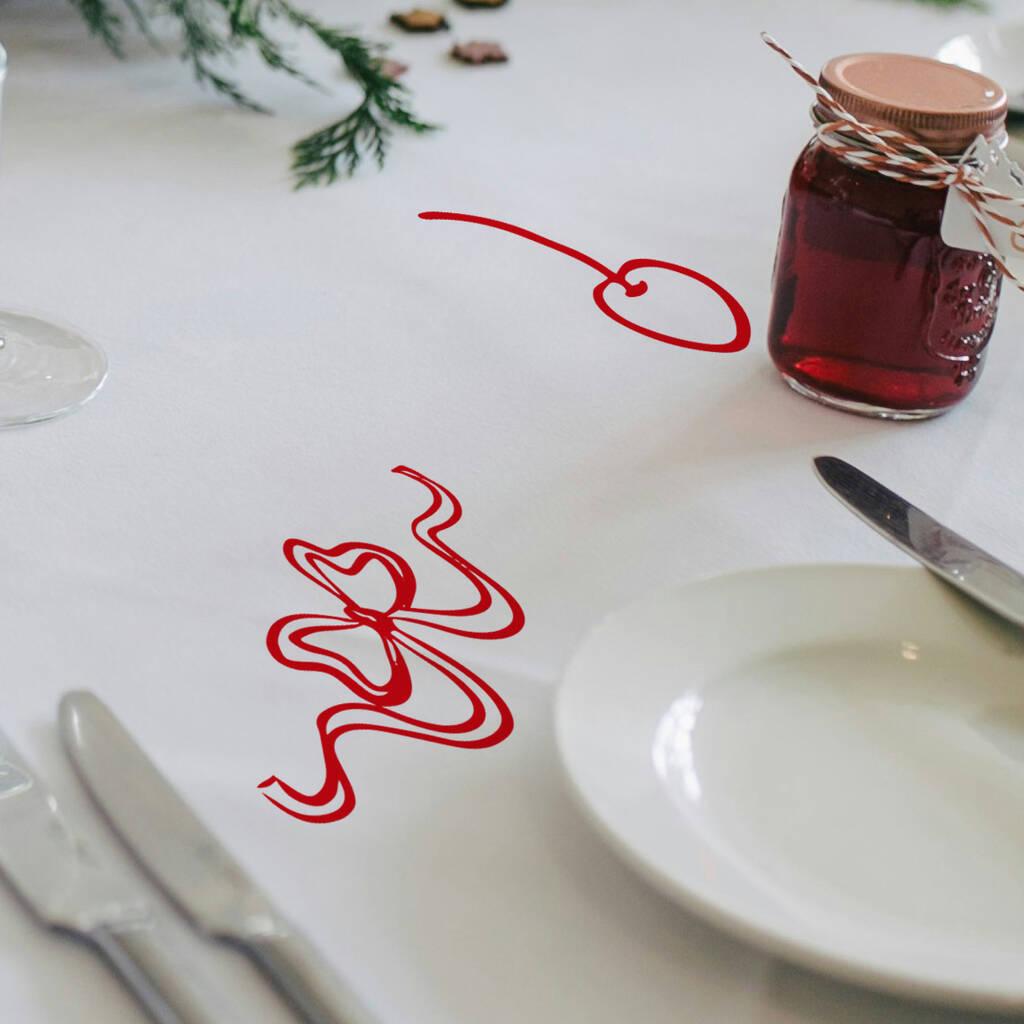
<point x="872" y="312"/>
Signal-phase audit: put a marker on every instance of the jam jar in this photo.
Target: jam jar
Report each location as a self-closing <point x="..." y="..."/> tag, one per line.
<point x="872" y="312"/>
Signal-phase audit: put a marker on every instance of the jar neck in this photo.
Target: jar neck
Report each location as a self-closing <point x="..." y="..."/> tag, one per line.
<point x="999" y="141"/>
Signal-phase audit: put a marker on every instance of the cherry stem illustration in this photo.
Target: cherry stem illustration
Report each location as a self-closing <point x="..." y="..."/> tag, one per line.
<point x="631" y="289"/>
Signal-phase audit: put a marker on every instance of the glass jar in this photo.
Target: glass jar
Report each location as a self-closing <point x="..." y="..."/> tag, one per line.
<point x="872" y="312"/>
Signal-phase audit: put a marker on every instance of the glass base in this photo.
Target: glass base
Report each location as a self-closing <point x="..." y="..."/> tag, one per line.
<point x="860" y="408"/>
<point x="46" y="370"/>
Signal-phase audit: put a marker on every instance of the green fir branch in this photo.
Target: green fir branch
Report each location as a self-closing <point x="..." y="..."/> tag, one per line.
<point x="204" y="40"/>
<point x="212" y="32"/>
<point x="102" y="22"/>
<point x="141" y="20"/>
<point x="321" y="158"/>
<point x="246" y="27"/>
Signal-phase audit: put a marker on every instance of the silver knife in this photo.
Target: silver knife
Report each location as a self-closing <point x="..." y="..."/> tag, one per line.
<point x="60" y="880"/>
<point x="952" y="557"/>
<point x="188" y="862"/>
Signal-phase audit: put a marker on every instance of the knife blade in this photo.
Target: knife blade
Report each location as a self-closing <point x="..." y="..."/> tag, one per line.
<point x="953" y="558"/>
<point x="189" y="863"/>
<point x="70" y="890"/>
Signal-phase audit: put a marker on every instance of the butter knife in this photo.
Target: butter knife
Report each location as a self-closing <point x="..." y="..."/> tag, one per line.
<point x="192" y="867"/>
<point x="953" y="558"/>
<point x="67" y="889"/>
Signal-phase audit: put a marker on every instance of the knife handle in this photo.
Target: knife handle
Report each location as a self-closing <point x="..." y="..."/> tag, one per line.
<point x="305" y="980"/>
<point x="153" y="975"/>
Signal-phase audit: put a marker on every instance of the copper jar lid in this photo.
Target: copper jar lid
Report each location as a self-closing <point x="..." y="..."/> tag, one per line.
<point x="942" y="105"/>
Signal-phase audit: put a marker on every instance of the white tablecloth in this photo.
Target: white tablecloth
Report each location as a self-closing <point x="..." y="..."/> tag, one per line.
<point x="273" y="356"/>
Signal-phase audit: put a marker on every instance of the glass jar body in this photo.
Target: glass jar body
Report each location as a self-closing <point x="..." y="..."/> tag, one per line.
<point x="872" y="312"/>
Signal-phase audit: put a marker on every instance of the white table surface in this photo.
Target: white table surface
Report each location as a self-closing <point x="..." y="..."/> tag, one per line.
<point x="274" y="354"/>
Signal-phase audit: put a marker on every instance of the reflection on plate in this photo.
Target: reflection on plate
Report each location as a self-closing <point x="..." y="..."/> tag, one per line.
<point x="827" y="761"/>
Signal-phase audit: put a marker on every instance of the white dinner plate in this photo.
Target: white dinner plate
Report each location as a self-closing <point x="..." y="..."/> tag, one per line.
<point x="827" y="761"/>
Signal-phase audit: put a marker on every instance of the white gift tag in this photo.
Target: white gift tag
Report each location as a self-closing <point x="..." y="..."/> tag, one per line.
<point x="959" y="224"/>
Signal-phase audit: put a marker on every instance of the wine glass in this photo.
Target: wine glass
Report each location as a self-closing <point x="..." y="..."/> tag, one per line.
<point x="46" y="369"/>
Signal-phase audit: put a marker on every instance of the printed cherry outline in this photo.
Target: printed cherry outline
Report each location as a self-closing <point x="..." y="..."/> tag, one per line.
<point x="632" y="289"/>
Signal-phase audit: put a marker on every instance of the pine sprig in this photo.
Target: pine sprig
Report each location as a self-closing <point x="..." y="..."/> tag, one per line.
<point x="202" y="40"/>
<point x="245" y="21"/>
<point x="212" y="32"/>
<point x="102" y="22"/>
<point x="322" y="157"/>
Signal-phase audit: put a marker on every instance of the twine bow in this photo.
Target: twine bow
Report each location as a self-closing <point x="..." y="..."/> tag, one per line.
<point x="892" y="153"/>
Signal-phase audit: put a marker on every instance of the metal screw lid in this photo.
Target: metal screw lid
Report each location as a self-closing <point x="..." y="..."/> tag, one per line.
<point x="942" y="105"/>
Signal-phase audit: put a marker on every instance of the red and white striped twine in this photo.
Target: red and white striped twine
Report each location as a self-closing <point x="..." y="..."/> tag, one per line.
<point x="890" y="152"/>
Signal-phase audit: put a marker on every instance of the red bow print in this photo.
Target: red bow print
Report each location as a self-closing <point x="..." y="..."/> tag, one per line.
<point x="310" y="642"/>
